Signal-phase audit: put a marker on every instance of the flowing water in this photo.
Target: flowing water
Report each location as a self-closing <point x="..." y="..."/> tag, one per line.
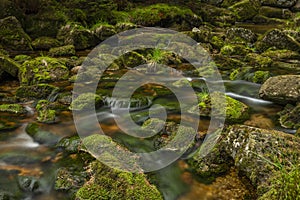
<point x="21" y="156"/>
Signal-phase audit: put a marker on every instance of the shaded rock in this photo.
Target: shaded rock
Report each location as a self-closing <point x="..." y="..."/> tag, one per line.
<point x="201" y="34"/>
<point x="103" y="32"/>
<point x="245" y="10"/>
<point x="278" y="39"/>
<point x="42" y="70"/>
<point x="9" y="66"/>
<point x="68" y="50"/>
<point x="258" y="154"/>
<point x="12" y="35"/>
<point x="258" y="61"/>
<point x="289" y="117"/>
<point x="74" y="34"/>
<point x="281" y="89"/>
<point x="7" y="124"/>
<point x="45" y="43"/>
<point x="240" y="35"/>
<point x="279" y="3"/>
<point x="275" y="12"/>
<point x="39" y="91"/>
<point x="261" y="19"/>
<point x="283" y="54"/>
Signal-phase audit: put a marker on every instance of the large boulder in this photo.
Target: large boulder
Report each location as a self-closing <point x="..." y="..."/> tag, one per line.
<point x="278" y="39"/>
<point x="42" y="70"/>
<point x="279" y="3"/>
<point x="12" y="35"/>
<point x="259" y="154"/>
<point x="281" y="89"/>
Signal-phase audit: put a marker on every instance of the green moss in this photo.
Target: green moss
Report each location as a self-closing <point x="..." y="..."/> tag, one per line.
<point x="45" y="43"/>
<point x="68" y="50"/>
<point x="12" y="108"/>
<point x="45" y="114"/>
<point x="22" y="58"/>
<point x="8" y="65"/>
<point x="86" y="101"/>
<point x="41" y="70"/>
<point x="261" y="76"/>
<point x="245" y="9"/>
<point x="216" y="42"/>
<point x="234" y="50"/>
<point x="109" y="183"/>
<point x="258" y="61"/>
<point x="283" y="54"/>
<point x="39" y="91"/>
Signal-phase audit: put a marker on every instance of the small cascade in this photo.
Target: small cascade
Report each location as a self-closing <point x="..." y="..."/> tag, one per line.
<point x="125" y="104"/>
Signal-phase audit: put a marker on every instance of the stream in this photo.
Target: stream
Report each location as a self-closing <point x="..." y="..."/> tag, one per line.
<point x="21" y="156"/>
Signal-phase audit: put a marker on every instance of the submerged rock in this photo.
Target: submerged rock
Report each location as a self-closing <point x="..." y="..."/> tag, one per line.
<point x="41" y="70"/>
<point x="12" y="35"/>
<point x="281" y="89"/>
<point x="258" y="154"/>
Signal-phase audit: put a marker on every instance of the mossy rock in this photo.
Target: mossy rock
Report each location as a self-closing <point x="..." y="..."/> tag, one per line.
<point x="226" y="63"/>
<point x="41" y="136"/>
<point x="7" y="124"/>
<point x="258" y="61"/>
<point x="226" y="107"/>
<point x="249" y="74"/>
<point x="103" y="31"/>
<point x="164" y="15"/>
<point x="131" y="60"/>
<point x="201" y="34"/>
<point x="261" y="76"/>
<point x="42" y="70"/>
<point x="217" y="41"/>
<point x="45" y="43"/>
<point x="279" y="3"/>
<point x="9" y="66"/>
<point x="245" y="10"/>
<point x="124" y="26"/>
<point x="107" y="183"/>
<point x="283" y="54"/>
<point x="68" y="50"/>
<point x="231" y="50"/>
<point x="77" y="35"/>
<point x="13" y="108"/>
<point x="275" y="12"/>
<point x="240" y="36"/>
<point x="22" y="58"/>
<point x="12" y="35"/>
<point x="33" y="92"/>
<point x="278" y="39"/>
<point x="71" y="144"/>
<point x="289" y="117"/>
<point x="260" y="19"/>
<point x="45" y="114"/>
<point x="86" y="101"/>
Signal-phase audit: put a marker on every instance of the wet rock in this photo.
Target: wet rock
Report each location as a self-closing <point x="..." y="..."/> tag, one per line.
<point x="68" y="50"/>
<point x="279" y="3"/>
<point x="246" y="9"/>
<point x="41" y="136"/>
<point x="165" y="16"/>
<point x="45" y="43"/>
<point x="13" y="108"/>
<point x="278" y="39"/>
<point x="86" y="101"/>
<point x="12" y="35"/>
<point x="45" y="113"/>
<point x="33" y="92"/>
<point x="240" y="35"/>
<point x="289" y="117"/>
<point x="258" y="154"/>
<point x="74" y="34"/>
<point x="224" y="107"/>
<point x="281" y="89"/>
<point x="15" y="158"/>
<point x="42" y="70"/>
<point x="9" y="66"/>
<point x="29" y="184"/>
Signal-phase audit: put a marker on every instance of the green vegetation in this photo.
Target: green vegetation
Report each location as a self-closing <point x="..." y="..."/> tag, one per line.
<point x="86" y="101"/>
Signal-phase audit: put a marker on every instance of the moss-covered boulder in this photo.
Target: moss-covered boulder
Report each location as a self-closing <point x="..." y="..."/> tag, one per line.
<point x="77" y="35"/>
<point x="279" y="3"/>
<point x="289" y="117"/>
<point x="261" y="76"/>
<point x="9" y="66"/>
<point x="240" y="35"/>
<point x="68" y="50"/>
<point x="258" y="61"/>
<point x="107" y="183"/>
<point x="40" y="135"/>
<point x="246" y="9"/>
<point x="280" y="55"/>
<point x="275" y="12"/>
<point x="164" y="15"/>
<point x="278" y="39"/>
<point x="44" y="113"/>
<point x="261" y="19"/>
<point x="258" y="154"/>
<point x="12" y="35"/>
<point x="12" y="108"/>
<point x="233" y="110"/>
<point x="45" y="43"/>
<point x="130" y="60"/>
<point x="103" y="31"/>
<point x="237" y="50"/>
<point x="281" y="89"/>
<point x="86" y="101"/>
<point x="33" y="92"/>
<point x="42" y="70"/>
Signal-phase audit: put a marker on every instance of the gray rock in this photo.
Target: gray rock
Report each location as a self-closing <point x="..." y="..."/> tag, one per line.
<point x="281" y="89"/>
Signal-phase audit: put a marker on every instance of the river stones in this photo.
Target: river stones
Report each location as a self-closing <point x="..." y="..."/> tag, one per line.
<point x="281" y="89"/>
